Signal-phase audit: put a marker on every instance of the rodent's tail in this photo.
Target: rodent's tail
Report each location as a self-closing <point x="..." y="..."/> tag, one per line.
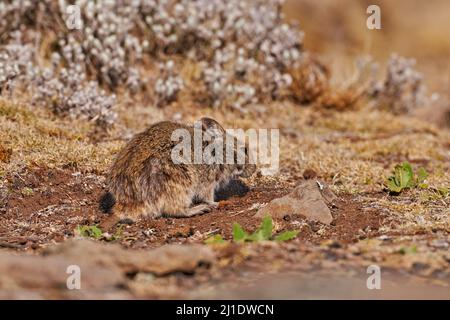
<point x="107" y="202"/>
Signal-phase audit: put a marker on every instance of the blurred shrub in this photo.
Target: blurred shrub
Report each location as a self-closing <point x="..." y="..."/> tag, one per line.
<point x="402" y="89"/>
<point x="310" y="79"/>
<point x="242" y="52"/>
<point x="243" y="49"/>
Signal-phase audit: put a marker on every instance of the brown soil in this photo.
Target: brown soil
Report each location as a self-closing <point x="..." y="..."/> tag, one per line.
<point x="44" y="206"/>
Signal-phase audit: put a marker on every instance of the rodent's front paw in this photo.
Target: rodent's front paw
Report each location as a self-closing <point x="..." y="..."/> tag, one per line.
<point x="213" y="204"/>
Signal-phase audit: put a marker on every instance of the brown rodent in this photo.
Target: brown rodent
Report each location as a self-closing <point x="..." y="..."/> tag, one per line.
<point x="144" y="180"/>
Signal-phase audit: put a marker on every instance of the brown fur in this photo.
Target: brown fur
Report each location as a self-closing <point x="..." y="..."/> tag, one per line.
<point x="143" y="180"/>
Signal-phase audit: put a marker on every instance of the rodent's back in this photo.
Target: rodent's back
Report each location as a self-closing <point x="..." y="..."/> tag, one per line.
<point x="146" y="155"/>
<point x="155" y="142"/>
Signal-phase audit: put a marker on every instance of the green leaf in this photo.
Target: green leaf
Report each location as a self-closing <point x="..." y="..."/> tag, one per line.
<point x="422" y="174"/>
<point x="217" y="238"/>
<point x="89" y="231"/>
<point x="256" y="236"/>
<point x="238" y="233"/>
<point x="406" y="175"/>
<point x="392" y="185"/>
<point x="264" y="232"/>
<point x="266" y="227"/>
<point x="287" y="235"/>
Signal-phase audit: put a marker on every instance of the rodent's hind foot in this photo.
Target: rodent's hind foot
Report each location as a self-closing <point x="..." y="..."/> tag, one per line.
<point x="189" y="212"/>
<point x="198" y="210"/>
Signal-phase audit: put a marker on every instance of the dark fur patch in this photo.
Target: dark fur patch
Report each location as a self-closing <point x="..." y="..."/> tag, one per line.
<point x="126" y="221"/>
<point x="234" y="187"/>
<point x="107" y="202"/>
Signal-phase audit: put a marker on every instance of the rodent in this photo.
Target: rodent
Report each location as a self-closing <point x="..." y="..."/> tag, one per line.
<point x="143" y="181"/>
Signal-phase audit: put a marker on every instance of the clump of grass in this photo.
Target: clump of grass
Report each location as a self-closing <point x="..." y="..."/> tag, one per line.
<point x="263" y="233"/>
<point x="437" y="193"/>
<point x="442" y="191"/>
<point x="33" y="137"/>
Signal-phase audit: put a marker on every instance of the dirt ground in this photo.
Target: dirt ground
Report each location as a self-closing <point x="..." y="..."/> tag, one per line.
<point x="63" y="199"/>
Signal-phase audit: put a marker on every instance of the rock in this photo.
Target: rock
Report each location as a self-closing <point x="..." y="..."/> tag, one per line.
<point x="170" y="259"/>
<point x="105" y="269"/>
<point x="331" y="284"/>
<point x="45" y="278"/>
<point x="309" y="199"/>
<point x="160" y="261"/>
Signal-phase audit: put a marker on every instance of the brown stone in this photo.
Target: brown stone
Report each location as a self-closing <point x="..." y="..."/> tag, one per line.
<point x="309" y="199"/>
<point x="104" y="269"/>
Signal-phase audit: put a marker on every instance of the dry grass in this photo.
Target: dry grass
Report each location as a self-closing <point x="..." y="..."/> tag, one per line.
<point x="37" y="138"/>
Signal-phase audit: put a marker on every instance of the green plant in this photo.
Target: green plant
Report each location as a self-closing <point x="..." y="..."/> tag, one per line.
<point x="89" y="231"/>
<point x="263" y="233"/>
<point x="404" y="178"/>
<point x="95" y="232"/>
<point x="287" y="235"/>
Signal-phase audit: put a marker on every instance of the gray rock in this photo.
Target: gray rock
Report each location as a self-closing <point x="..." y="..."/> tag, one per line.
<point x="310" y="199"/>
<point x="104" y="269"/>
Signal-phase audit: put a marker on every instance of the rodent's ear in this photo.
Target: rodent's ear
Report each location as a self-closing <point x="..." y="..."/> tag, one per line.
<point x="209" y="124"/>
